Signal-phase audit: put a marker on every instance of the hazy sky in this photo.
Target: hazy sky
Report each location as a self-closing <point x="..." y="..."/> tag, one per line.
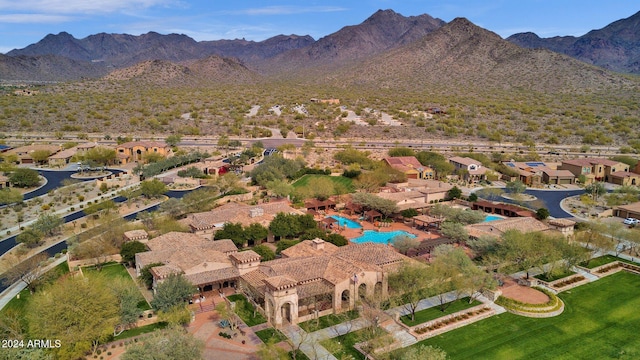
<point x="23" y="22"/>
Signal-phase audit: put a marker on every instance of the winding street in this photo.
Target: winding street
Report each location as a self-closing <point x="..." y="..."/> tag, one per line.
<point x="551" y="200"/>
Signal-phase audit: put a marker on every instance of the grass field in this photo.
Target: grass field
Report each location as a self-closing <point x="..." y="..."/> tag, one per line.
<point x="245" y="310"/>
<point x="328" y="320"/>
<point x="114" y="271"/>
<point x="605" y="259"/>
<point x="270" y="333"/>
<point x="600" y="321"/>
<point x="304" y="181"/>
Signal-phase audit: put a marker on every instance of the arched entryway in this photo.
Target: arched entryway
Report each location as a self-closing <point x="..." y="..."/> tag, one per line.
<point x="362" y="290"/>
<point x="286" y="312"/>
<point x="345" y="299"/>
<point x="377" y="290"/>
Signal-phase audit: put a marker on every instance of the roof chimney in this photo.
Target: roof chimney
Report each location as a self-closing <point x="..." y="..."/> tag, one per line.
<point x="317" y="244"/>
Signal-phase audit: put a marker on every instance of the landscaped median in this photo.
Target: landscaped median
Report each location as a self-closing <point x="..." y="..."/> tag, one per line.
<point x="551" y="308"/>
<point x="562" y="282"/>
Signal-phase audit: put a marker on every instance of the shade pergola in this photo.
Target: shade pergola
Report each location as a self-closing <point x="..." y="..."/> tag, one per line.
<point x="426" y="220"/>
<point x="328" y="222"/>
<point x="352" y="208"/>
<point x="371" y="215"/>
<point x="316" y="204"/>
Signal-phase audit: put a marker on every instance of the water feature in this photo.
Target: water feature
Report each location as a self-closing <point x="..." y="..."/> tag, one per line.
<point x="379" y="237"/>
<point x="348" y="223"/>
<point x="492" y="218"/>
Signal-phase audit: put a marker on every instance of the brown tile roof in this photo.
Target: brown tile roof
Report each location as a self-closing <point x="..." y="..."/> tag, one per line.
<point x="279" y="282"/>
<point x="370" y="253"/>
<point x="562" y="222"/>
<point x="245" y="256"/>
<point x="135" y="234"/>
<point x="213" y="276"/>
<point x="624" y="174"/>
<point x="558" y="173"/>
<point x="591" y="162"/>
<point x="499" y="227"/>
<point x="305" y="248"/>
<point x="238" y="212"/>
<point x="634" y="207"/>
<point x="465" y="161"/>
<point x="27" y="149"/>
<point x="65" y="154"/>
<point x="405" y="163"/>
<point x="202" y="261"/>
<point x="165" y="270"/>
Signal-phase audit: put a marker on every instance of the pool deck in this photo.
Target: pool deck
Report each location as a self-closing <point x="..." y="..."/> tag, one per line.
<point x="366" y="225"/>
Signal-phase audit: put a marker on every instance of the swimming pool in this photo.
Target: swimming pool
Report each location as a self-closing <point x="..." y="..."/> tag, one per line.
<point x="492" y="218"/>
<point x="380" y="237"/>
<point x="343" y="221"/>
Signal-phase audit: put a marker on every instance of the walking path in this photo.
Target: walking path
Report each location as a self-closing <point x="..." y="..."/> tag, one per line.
<point x="15" y="289"/>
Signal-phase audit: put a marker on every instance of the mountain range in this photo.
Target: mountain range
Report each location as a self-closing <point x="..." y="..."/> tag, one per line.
<point x="615" y="47"/>
<point x="384" y="38"/>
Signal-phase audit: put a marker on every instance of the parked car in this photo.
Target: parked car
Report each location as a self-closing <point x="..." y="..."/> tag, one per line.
<point x="631" y="221"/>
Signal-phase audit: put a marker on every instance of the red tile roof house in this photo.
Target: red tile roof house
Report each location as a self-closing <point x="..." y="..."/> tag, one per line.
<point x="410" y="166"/>
<point x="312" y="278"/>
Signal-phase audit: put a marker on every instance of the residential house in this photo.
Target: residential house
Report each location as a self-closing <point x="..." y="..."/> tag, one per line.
<point x="135" y="151"/>
<point x="470" y="169"/>
<point x="497" y="228"/>
<point x="410" y="166"/>
<point x="208" y="222"/>
<point x="624" y="178"/>
<point x="593" y="169"/>
<point x="416" y="194"/>
<point x="207" y="264"/>
<point x="316" y="278"/>
<point x="628" y="211"/>
<point x="25" y="153"/>
<point x="558" y="177"/>
<point x="313" y="277"/>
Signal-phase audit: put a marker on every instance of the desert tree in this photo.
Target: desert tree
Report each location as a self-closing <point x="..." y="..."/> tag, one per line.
<point x="27" y="270"/>
<point x="171" y="343"/>
<point x="407" y="285"/>
<point x="80" y="312"/>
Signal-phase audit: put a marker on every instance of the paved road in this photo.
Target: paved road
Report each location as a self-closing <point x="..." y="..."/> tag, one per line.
<point x="54" y="181"/>
<point x="550" y="198"/>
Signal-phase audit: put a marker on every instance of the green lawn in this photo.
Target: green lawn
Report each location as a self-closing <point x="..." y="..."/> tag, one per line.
<point x="328" y="320"/>
<point x="270" y="333"/>
<point x="554" y="277"/>
<point x="602" y="260"/>
<point x="601" y="321"/>
<point x="110" y="270"/>
<point x="429" y="314"/>
<point x="346" y="182"/>
<point x="342" y="346"/>
<point x="140" y="330"/>
<point x="245" y="310"/>
<point x="115" y="270"/>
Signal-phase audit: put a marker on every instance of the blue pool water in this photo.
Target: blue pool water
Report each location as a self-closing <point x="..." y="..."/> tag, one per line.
<point x="492" y="218"/>
<point x="342" y="221"/>
<point x="379" y="237"/>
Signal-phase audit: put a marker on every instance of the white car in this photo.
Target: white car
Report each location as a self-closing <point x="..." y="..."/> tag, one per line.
<point x="631" y="221"/>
